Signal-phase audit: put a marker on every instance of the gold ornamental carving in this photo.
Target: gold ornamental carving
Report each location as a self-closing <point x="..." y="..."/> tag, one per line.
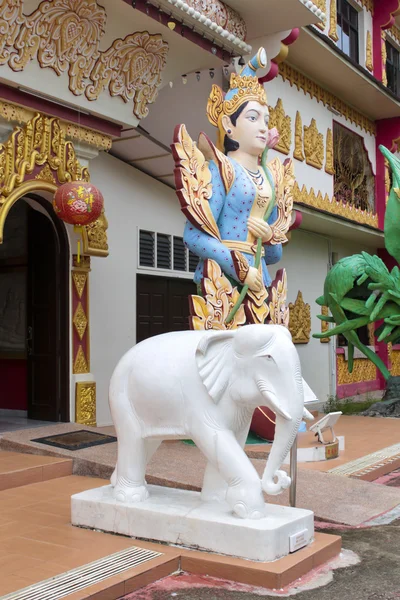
<point x="131" y="68"/>
<point x="329" y="162"/>
<point x="11" y="19"/>
<point x="64" y="35"/>
<point x="394" y="358"/>
<point x="341" y="209"/>
<point x="324" y="325"/>
<point x="302" y="82"/>
<point x="80" y="321"/>
<point x="321" y="4"/>
<point x="95" y="237"/>
<point x="282" y="122"/>
<point x="384" y="58"/>
<point x="83" y="264"/>
<point x="278" y="309"/>
<point x="298" y="138"/>
<point x="394" y="31"/>
<point x="369" y="64"/>
<point x="80" y="279"/>
<point x="300" y="320"/>
<point x="368" y="4"/>
<point x="363" y="370"/>
<point x="85" y="403"/>
<point x="313" y="145"/>
<point x="80" y="364"/>
<point x="46" y="174"/>
<point x="333" y="21"/>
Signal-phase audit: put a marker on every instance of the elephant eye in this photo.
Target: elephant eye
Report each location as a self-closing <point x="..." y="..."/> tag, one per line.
<point x="268" y="356"/>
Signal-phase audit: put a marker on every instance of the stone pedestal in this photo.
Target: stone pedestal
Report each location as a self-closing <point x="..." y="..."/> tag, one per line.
<point x="389" y="406"/>
<point x="179" y="517"/>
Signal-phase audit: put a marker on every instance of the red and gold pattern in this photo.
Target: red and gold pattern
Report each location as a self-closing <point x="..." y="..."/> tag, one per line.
<point x="80" y="315"/>
<point x="78" y="203"/>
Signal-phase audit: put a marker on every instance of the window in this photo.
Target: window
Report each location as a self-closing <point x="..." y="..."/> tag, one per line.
<point x="166" y="252"/>
<point x="353" y="178"/>
<point x="393" y="69"/>
<point x="347" y="29"/>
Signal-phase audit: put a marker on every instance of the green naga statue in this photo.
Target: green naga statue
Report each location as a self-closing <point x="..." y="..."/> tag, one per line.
<point x="359" y="289"/>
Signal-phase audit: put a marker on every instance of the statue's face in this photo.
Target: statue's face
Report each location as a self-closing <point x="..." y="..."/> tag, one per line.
<point x="251" y="129"/>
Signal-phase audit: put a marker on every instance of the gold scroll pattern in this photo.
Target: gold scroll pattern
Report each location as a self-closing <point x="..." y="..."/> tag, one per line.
<point x="298" y="138"/>
<point x="329" y="161"/>
<point x="313" y="145"/>
<point x="322" y="6"/>
<point x="65" y="36"/>
<point x="282" y="122"/>
<point x="320" y="202"/>
<point x="41" y="144"/>
<point x="300" y="320"/>
<point x="302" y="82"/>
<point x="80" y="320"/>
<point x="369" y="64"/>
<point x="324" y="324"/>
<point x="85" y="403"/>
<point x="363" y="370"/>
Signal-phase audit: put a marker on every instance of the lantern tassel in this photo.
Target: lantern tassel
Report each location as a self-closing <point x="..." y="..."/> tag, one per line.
<point x="78" y="230"/>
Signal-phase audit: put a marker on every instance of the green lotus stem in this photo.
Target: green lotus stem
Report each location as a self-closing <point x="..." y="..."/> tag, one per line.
<point x="257" y="259"/>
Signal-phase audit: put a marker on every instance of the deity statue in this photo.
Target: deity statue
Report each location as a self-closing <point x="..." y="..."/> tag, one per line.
<point x="238" y="207"/>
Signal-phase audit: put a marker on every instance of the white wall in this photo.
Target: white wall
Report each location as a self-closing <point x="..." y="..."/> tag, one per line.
<point x="132" y="200"/>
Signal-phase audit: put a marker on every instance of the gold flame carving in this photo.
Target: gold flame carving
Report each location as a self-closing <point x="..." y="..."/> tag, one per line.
<point x="313" y="145"/>
<point x="279" y="119"/>
<point x="300" y="320"/>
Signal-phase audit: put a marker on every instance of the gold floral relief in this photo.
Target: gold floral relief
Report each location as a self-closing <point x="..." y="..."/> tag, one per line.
<point x="79" y="278"/>
<point x="324" y="203"/>
<point x="395" y="362"/>
<point x="384" y="58"/>
<point x="369" y="64"/>
<point x="46" y="174"/>
<point x="298" y="138"/>
<point x="324" y="325"/>
<point x="85" y="403"/>
<point x="333" y="21"/>
<point x="80" y="364"/>
<point x="284" y="181"/>
<point x="279" y="119"/>
<point x="131" y="68"/>
<point x="80" y="321"/>
<point x="310" y="87"/>
<point x="278" y="310"/>
<point x="95" y="240"/>
<point x="64" y="35"/>
<point x="300" y="320"/>
<point x="329" y="162"/>
<point x="363" y="370"/>
<point x="11" y="19"/>
<point x="313" y="145"/>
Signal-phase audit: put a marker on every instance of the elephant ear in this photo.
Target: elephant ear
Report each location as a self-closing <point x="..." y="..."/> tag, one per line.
<point x="214" y="357"/>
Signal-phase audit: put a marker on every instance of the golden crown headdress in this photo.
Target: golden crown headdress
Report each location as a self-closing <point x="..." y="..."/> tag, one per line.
<point x="243" y="87"/>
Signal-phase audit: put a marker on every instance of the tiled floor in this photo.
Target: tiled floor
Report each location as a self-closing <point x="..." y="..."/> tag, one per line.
<point x="10" y="423"/>
<point x="21" y="469"/>
<point x="38" y="542"/>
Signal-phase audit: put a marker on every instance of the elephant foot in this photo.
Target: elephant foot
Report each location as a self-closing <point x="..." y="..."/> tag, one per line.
<point x="130" y="494"/>
<point x="246" y="503"/>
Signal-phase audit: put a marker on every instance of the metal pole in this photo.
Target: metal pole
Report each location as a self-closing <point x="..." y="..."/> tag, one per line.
<point x="293" y="473"/>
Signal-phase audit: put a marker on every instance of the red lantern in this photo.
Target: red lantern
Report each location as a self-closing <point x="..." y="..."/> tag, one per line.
<point x="78" y="203"/>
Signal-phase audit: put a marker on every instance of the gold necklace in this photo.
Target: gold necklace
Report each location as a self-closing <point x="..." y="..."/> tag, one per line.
<point x="258" y="180"/>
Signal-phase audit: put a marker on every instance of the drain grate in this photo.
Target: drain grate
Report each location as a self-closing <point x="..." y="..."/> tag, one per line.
<point x="82" y="577"/>
<point x="369" y="462"/>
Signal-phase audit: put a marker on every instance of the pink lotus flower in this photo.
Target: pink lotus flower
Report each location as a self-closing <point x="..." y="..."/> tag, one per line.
<point x="273" y="138"/>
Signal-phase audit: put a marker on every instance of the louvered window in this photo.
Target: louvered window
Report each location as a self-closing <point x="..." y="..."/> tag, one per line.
<point x="163" y="251"/>
<point x="193" y="262"/>
<point x="179" y="254"/>
<point x="146" y="249"/>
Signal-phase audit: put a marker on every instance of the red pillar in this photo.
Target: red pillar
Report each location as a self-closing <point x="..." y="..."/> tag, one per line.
<point x="383" y="18"/>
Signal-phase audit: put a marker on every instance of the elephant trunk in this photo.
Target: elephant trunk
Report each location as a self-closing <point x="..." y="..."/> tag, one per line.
<point x="275" y="481"/>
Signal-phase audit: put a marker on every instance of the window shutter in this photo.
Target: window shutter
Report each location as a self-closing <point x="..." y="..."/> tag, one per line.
<point x="193" y="261"/>
<point x="163" y="251"/>
<point x="179" y="254"/>
<point x="146" y="249"/>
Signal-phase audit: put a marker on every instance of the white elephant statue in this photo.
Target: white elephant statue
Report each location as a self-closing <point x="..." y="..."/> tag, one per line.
<point x="205" y="385"/>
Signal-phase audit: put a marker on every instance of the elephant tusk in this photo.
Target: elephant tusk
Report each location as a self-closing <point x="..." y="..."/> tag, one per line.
<point x="307" y="415"/>
<point x="272" y="402"/>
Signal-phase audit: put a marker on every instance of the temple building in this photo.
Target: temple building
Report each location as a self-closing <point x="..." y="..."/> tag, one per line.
<point x="91" y="91"/>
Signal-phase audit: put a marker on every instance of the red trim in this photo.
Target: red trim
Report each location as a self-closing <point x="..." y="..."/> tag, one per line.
<point x="182" y="30"/>
<point x="274" y="68"/>
<point x="383" y="18"/>
<point x="387" y="130"/>
<point x="352" y="389"/>
<point x="17" y="96"/>
<point x="297" y="221"/>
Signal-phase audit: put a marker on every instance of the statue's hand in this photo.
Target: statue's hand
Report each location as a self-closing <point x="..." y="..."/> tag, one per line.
<point x="254" y="279"/>
<point x="259" y="228"/>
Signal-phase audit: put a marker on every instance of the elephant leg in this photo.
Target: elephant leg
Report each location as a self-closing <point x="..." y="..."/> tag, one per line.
<point x="129" y="481"/>
<point x="244" y="493"/>
<point x="214" y="485"/>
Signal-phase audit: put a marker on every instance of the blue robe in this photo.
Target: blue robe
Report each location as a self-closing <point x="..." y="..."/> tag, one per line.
<point x="231" y="211"/>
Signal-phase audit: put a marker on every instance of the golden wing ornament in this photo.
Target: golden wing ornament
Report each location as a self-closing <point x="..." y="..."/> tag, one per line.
<point x="283" y="175"/>
<point x="193" y="182"/>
